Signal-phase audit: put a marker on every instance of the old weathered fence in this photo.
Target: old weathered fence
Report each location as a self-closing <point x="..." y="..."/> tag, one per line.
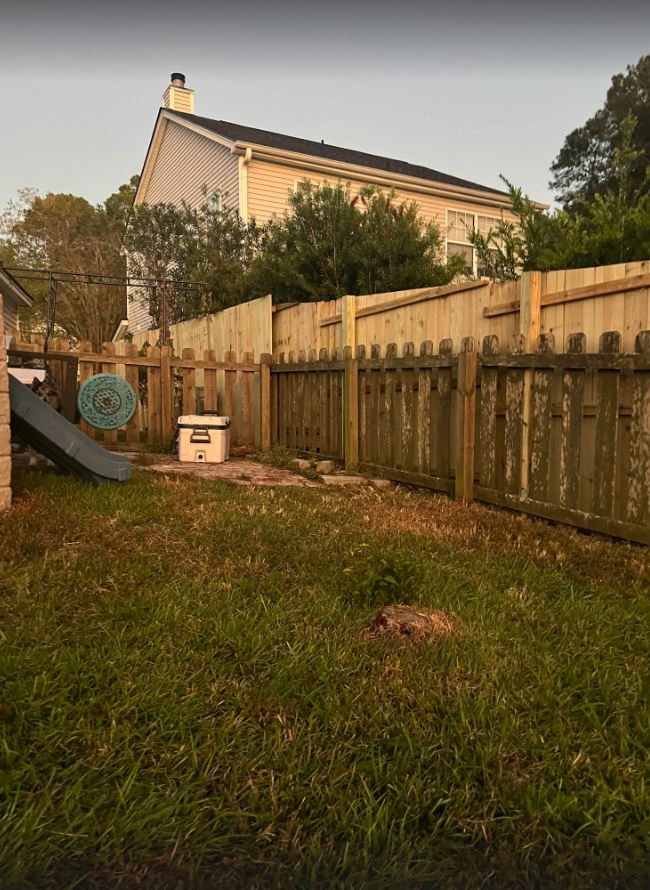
<point x="165" y="386"/>
<point x="565" y="436"/>
<point x="307" y="404"/>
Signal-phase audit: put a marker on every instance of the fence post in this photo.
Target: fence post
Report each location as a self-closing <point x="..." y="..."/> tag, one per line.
<point x="350" y="409"/>
<point x="530" y="315"/>
<point x="348" y="323"/>
<point x="166" y="396"/>
<point x="109" y="436"/>
<point x="467" y="365"/>
<point x="265" y="401"/>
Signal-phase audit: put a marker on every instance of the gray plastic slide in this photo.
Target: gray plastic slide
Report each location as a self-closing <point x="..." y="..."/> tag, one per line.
<point x="47" y="431"/>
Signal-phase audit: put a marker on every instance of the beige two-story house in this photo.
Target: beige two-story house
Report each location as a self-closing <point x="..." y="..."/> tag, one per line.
<point x="255" y="171"/>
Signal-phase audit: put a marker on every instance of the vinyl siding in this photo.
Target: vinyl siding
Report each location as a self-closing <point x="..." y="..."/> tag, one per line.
<point x="186" y="162"/>
<point x="269" y="187"/>
<point x="137" y="311"/>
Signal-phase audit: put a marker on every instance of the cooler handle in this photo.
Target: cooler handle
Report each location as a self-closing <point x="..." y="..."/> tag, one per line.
<point x="200" y="434"/>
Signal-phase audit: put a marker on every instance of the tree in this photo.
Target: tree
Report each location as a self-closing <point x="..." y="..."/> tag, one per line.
<point x="118" y="205"/>
<point x="611" y="227"/>
<point x="66" y="233"/>
<point x="203" y="244"/>
<point x="585" y="165"/>
<point x="331" y="244"/>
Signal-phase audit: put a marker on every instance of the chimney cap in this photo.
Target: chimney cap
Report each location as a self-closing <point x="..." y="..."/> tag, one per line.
<point x="178" y="80"/>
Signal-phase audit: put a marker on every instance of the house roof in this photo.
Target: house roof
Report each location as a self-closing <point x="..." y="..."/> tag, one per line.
<point x="9" y="287"/>
<point x="241" y="133"/>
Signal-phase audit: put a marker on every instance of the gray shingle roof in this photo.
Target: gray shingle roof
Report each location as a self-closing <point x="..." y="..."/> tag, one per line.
<point x="238" y="132"/>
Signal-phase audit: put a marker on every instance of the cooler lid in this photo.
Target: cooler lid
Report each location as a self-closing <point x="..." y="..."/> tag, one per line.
<point x="211" y="421"/>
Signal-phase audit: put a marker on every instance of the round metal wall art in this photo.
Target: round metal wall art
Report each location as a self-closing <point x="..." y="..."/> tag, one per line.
<point x="106" y="401"/>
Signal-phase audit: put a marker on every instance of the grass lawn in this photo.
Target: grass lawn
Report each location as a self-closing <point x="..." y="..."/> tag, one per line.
<point x="186" y="699"/>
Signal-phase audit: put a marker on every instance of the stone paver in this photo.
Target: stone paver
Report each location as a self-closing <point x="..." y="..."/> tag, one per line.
<point x="237" y="470"/>
<point x="382" y="484"/>
<point x="344" y="480"/>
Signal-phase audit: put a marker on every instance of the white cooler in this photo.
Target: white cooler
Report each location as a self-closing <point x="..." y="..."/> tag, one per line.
<point x="203" y="438"/>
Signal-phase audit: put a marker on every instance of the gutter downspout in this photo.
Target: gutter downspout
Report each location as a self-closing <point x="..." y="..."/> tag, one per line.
<point x="244" y="161"/>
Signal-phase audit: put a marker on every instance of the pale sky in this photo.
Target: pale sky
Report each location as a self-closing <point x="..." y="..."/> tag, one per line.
<point x="473" y="90"/>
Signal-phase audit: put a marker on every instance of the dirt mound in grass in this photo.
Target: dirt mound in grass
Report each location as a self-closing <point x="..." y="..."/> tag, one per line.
<point x="409" y="624"/>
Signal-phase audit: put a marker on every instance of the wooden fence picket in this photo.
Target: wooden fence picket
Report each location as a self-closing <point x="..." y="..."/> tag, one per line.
<point x="573" y="384"/>
<point x="154" y="395"/>
<point x="131" y="376"/>
<point x="608" y="383"/>
<point x="487" y="471"/>
<point x="467" y="368"/>
<point x="210" y="383"/>
<point x="444" y="420"/>
<point x="638" y="494"/>
<point x="423" y="412"/>
<point x="188" y="377"/>
<point x="541" y="422"/>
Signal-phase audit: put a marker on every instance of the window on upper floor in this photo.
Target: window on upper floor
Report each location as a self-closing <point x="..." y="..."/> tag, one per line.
<point x="485" y="225"/>
<point x="460" y="225"/>
<point x="215" y="200"/>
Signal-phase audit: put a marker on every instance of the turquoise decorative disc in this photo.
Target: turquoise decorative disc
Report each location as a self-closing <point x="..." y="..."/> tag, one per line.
<point x="106" y="401"/>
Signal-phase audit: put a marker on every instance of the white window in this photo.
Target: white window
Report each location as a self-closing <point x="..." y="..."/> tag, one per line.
<point x="460" y="225"/>
<point x="485" y="225"/>
<point x="215" y="201"/>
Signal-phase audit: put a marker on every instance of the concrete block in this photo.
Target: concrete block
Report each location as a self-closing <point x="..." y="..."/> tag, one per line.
<point x="325" y="467"/>
<point x="5" y="471"/>
<point x="381" y="484"/>
<point x="5" y="439"/>
<point x="302" y="464"/>
<point x="5" y="499"/>
<point x="343" y="480"/>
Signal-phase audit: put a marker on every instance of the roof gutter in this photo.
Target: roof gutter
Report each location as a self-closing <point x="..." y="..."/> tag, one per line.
<point x="371" y="175"/>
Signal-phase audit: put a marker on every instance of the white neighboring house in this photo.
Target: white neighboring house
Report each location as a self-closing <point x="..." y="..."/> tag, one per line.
<point x="255" y="171"/>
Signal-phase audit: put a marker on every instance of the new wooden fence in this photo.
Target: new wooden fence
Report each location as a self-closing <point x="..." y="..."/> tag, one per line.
<point x="565" y="436"/>
<point x="591" y="300"/>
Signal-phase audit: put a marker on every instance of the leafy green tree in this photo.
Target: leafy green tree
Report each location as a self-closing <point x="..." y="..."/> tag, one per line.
<point x="118" y="205"/>
<point x="611" y="227"/>
<point x="585" y="165"/>
<point x="67" y="233"/>
<point x="330" y="244"/>
<point x="203" y="245"/>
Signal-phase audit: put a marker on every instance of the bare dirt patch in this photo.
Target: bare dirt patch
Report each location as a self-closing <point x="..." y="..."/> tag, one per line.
<point x="409" y="624"/>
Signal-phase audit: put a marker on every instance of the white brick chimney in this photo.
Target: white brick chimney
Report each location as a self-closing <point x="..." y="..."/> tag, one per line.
<point x="177" y="97"/>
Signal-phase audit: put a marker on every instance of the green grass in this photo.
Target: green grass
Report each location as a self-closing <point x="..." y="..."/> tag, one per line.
<point x="186" y="700"/>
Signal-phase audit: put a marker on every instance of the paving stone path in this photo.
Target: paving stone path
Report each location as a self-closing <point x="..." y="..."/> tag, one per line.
<point x="238" y="470"/>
